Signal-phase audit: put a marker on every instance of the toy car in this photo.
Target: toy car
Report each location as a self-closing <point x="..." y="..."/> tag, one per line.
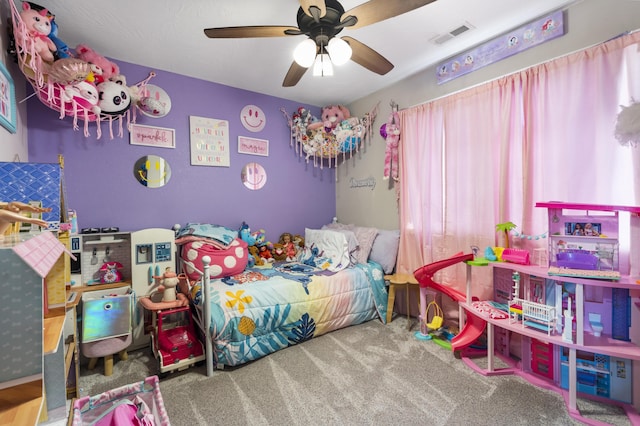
<point x="174" y="341"/>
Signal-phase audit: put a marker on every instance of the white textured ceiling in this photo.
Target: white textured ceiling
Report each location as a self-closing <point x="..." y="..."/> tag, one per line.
<point x="168" y="35"/>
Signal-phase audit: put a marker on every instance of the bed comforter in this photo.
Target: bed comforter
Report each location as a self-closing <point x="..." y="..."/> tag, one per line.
<point x="261" y="311"/>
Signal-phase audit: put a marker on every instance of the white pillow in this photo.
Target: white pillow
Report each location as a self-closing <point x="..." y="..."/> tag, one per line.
<point x="335" y="245"/>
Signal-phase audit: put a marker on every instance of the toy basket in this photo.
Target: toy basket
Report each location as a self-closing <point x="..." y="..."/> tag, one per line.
<point x="136" y="404"/>
<point x="438" y="316"/>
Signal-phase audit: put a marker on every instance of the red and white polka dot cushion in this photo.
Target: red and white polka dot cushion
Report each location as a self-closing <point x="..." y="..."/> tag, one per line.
<point x="229" y="261"/>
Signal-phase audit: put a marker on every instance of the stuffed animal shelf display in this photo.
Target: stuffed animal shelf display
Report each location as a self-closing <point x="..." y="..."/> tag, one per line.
<point x="391" y="132"/>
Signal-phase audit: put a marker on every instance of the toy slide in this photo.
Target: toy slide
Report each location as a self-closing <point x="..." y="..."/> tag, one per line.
<point x="425" y="274"/>
<point x="472" y="329"/>
<point x="473" y="326"/>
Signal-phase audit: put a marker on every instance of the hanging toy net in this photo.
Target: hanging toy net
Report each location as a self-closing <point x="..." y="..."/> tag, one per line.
<point x="326" y="147"/>
<point x="65" y="84"/>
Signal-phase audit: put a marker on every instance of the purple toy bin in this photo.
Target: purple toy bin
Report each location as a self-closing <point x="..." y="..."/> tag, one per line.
<point x="577" y="260"/>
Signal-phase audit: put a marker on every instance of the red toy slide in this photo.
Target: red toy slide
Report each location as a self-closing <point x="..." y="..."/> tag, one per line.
<point x="474" y="326"/>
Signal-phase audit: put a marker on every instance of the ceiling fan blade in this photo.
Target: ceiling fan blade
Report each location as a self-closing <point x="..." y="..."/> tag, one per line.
<point x="294" y="75"/>
<point x="367" y="57"/>
<point x="378" y="10"/>
<point x="314" y="8"/>
<point x="250" y="32"/>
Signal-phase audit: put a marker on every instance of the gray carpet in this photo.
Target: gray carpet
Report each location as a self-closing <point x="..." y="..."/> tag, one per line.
<point x="370" y="374"/>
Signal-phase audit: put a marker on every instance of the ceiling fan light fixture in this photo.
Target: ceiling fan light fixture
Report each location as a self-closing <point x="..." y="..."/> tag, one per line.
<point x="305" y="53"/>
<point x="339" y="50"/>
<point x="322" y="66"/>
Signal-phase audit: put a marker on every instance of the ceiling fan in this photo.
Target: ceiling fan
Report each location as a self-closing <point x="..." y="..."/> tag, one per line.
<point x="321" y="21"/>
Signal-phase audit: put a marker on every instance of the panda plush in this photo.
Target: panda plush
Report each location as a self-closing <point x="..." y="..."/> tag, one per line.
<point x="114" y="98"/>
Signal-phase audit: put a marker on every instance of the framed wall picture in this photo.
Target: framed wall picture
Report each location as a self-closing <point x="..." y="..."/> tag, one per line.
<point x="159" y="137"/>
<point x="253" y="146"/>
<point x="209" y="138"/>
<point x="7" y="100"/>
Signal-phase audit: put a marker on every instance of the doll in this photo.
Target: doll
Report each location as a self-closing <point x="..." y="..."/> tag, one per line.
<point x="10" y="213"/>
<point x="391" y="151"/>
<point x="289" y="247"/>
<point x="265" y="253"/>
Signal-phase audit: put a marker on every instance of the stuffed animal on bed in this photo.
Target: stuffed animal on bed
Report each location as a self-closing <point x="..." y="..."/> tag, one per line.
<point x="245" y="234"/>
<point x="278" y="252"/>
<point x="38" y="25"/>
<point x="254" y="257"/>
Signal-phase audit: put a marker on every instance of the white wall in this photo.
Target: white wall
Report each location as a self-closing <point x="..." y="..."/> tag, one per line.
<point x="13" y="147"/>
<point x="588" y="23"/>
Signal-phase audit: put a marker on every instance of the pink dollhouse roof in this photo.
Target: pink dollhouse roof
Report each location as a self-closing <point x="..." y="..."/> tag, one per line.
<point x="41" y="252"/>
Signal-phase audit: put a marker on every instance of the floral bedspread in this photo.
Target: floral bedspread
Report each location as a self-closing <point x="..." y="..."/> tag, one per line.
<point x="261" y="311"/>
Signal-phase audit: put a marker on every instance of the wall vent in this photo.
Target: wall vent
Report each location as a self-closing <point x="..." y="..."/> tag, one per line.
<point x="453" y="33"/>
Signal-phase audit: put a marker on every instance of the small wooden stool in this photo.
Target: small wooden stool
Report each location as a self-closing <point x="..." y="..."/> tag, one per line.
<point x="395" y="280"/>
<point x="105" y="348"/>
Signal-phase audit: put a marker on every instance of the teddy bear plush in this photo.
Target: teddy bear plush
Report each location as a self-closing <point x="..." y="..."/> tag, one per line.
<point x="331" y="117"/>
<point x="278" y="252"/>
<point x="254" y="256"/>
<point x="391" y="152"/>
<point x="102" y="68"/>
<point x="38" y="25"/>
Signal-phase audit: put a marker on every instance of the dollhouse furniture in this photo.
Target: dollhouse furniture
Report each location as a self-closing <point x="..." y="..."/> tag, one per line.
<point x="403" y="281"/>
<point x="599" y="362"/>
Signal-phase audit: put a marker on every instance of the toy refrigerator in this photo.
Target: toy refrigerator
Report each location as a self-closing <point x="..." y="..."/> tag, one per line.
<point x="152" y="251"/>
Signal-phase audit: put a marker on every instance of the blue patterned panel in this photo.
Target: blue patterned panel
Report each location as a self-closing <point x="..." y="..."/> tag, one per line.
<point x="33" y="182"/>
<point x="20" y="318"/>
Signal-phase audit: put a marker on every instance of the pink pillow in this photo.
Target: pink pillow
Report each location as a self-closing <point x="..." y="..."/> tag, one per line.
<point x="365" y="237"/>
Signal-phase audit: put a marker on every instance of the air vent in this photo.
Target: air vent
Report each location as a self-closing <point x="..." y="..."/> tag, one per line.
<point x="453" y="33"/>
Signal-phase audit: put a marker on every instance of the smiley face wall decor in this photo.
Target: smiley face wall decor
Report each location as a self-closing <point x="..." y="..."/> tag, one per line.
<point x="253" y="118"/>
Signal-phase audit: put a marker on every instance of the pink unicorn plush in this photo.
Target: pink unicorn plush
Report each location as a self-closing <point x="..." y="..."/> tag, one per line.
<point x="393" y="142"/>
<point x="38" y="24"/>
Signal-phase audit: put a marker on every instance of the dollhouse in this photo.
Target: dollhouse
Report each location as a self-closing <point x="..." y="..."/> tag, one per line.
<point x="581" y="334"/>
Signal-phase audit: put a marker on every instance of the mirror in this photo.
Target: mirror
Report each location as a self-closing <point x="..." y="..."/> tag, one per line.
<point x="152" y="171"/>
<point x="253" y="176"/>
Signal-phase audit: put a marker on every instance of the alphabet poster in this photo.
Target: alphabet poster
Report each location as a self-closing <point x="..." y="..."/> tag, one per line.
<point x="209" y="140"/>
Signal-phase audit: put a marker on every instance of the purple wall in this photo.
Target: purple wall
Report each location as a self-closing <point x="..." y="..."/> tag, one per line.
<point x="101" y="187"/>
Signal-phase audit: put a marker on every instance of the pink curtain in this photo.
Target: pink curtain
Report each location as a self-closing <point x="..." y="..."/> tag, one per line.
<point x="486" y="155"/>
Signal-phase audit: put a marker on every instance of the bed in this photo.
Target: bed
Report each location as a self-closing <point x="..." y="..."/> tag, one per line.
<point x="262" y="309"/>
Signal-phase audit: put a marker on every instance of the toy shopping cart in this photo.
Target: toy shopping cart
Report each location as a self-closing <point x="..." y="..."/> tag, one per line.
<point x="135" y="404"/>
